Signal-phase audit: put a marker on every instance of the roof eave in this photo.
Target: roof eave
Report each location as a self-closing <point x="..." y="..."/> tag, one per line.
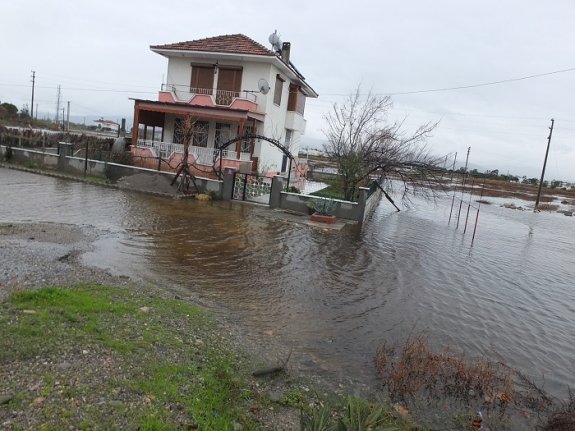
<point x="272" y="58"/>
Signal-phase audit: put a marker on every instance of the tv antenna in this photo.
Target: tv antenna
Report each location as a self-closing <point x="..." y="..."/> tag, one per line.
<point x="274" y="39"/>
<point x="263" y="86"/>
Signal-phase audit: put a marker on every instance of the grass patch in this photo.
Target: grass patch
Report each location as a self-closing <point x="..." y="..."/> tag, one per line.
<point x="135" y="362"/>
<point x="96" y="357"/>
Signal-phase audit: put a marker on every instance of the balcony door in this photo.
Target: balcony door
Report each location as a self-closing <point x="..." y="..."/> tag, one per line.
<point x="202" y="79"/>
<point x="229" y="84"/>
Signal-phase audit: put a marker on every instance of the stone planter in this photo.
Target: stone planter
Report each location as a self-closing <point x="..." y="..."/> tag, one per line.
<point x="322" y="218"/>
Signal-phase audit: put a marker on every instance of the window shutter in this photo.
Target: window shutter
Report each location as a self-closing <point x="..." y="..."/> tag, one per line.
<point x="278" y="90"/>
<point x="229" y="85"/>
<point x="202" y="78"/>
<point x="293" y="96"/>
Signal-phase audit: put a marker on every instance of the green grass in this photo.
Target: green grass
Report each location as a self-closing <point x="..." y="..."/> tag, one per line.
<point x="169" y="373"/>
<point x="165" y="367"/>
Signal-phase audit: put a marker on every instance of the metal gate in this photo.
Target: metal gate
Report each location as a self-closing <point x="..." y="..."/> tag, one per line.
<point x="252" y="188"/>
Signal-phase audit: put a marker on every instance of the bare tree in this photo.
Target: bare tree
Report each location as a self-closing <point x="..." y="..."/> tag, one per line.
<point x="365" y="146"/>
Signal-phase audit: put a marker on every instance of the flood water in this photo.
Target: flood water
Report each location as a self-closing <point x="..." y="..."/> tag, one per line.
<point x="333" y="296"/>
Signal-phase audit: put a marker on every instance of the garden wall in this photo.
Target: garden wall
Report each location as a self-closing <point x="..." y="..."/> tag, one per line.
<point x="357" y="211"/>
<point x="63" y="162"/>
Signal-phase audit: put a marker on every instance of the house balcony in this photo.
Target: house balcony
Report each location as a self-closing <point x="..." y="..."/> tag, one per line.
<point x="295" y="121"/>
<point x="244" y="100"/>
<point x="206" y="156"/>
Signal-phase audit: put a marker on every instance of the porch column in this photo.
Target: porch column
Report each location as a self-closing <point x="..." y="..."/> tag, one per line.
<point x="253" y="141"/>
<point x="239" y="143"/>
<point x="136" y="127"/>
<point x="145" y="132"/>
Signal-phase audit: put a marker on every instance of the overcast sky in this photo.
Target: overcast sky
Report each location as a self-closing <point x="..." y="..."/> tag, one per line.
<point x="99" y="53"/>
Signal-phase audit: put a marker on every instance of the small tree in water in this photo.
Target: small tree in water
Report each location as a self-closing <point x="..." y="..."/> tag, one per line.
<point x="365" y="145"/>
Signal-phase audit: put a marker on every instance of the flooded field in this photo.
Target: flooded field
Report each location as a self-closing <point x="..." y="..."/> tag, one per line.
<point x="334" y="296"/>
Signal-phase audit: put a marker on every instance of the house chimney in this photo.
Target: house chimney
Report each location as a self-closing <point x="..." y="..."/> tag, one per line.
<point x="286" y="48"/>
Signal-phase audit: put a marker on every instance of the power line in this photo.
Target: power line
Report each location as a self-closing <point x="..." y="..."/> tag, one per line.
<point x="463" y="87"/>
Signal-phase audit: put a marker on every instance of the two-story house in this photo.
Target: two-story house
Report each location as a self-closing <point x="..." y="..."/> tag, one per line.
<point x="232" y="86"/>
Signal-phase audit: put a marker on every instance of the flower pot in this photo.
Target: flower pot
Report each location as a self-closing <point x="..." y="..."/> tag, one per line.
<point x="322" y="218"/>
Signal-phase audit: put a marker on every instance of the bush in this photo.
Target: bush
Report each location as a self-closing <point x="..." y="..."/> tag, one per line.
<point x="324" y="207"/>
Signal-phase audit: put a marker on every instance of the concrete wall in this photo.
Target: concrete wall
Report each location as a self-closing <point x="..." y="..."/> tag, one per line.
<point x="95" y="168"/>
<point x="357" y="211"/>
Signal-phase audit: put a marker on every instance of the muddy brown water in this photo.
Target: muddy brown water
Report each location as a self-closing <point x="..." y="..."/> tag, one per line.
<point x="334" y="296"/>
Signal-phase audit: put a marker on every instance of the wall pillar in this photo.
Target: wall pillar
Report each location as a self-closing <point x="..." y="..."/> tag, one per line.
<point x="228" y="188"/>
<point x="276" y="190"/>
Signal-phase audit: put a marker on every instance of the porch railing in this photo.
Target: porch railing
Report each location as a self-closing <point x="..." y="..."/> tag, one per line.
<point x="203" y="155"/>
<point x="183" y="93"/>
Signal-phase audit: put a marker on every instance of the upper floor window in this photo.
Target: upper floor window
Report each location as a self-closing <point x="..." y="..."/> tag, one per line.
<point x="229" y="84"/>
<point x="278" y="90"/>
<point x="202" y="78"/>
<point x="296" y="99"/>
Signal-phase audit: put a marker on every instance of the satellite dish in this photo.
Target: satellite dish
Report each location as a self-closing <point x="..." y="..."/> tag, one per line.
<point x="263" y="86"/>
<point x="274" y="39"/>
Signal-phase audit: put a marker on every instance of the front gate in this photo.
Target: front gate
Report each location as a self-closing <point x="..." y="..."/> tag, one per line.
<point x="252" y="188"/>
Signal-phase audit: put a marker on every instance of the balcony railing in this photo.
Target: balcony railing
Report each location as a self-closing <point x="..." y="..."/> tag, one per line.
<point x="183" y="93"/>
<point x="204" y="155"/>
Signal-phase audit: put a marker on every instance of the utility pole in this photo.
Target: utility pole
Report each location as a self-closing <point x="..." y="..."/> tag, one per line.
<point x="32" y="104"/>
<point x="544" y="163"/>
<point x="58" y="101"/>
<point x="68" y="118"/>
<point x="63" y="121"/>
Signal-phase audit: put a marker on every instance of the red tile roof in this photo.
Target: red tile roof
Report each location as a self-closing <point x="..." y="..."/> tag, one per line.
<point x="233" y="43"/>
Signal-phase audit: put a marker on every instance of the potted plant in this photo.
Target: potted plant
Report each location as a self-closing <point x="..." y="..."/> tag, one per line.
<point x="310" y="206"/>
<point x="324" y="209"/>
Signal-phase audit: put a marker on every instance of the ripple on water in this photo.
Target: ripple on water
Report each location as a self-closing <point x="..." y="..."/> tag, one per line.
<point x="336" y="296"/>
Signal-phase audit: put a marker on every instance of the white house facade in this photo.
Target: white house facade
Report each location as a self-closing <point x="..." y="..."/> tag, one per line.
<point x="231" y="86"/>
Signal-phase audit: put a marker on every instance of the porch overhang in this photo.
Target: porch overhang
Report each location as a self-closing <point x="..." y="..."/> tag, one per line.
<point x="216" y="112"/>
<point x="152" y="113"/>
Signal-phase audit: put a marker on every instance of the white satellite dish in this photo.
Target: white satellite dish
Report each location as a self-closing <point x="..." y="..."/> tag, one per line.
<point x="274" y="39"/>
<point x="263" y="86"/>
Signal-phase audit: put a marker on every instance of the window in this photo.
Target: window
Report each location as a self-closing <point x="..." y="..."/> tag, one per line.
<point x="223" y="134"/>
<point x="229" y="84"/>
<point x="200" y="138"/>
<point x="247" y="143"/>
<point x="178" y="136"/>
<point x="278" y="90"/>
<point x="202" y="79"/>
<point x="296" y="100"/>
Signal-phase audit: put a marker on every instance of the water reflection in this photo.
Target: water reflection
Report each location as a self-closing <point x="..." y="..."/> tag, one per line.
<point x="335" y="296"/>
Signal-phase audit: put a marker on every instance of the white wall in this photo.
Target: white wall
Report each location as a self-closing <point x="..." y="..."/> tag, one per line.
<point x="179" y="73"/>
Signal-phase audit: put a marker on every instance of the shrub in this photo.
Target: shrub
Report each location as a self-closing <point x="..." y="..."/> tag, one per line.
<point x="324" y="207"/>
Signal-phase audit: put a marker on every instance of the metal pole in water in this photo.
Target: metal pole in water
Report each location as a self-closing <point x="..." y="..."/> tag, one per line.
<point x="468" y="206"/>
<point x="463" y="186"/>
<point x="453" y="199"/>
<point x="477" y="215"/>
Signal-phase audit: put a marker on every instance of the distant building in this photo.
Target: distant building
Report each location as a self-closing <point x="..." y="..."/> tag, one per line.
<point x="106" y="125"/>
